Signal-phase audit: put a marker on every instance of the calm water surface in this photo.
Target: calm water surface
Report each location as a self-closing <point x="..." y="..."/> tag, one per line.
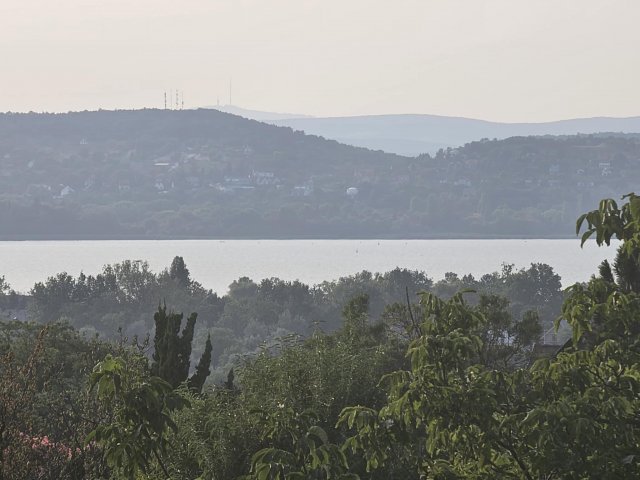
<point x="216" y="263"/>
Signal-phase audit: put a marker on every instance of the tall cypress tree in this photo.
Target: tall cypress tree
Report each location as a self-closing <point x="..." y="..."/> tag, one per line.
<point x="196" y="382"/>
<point x="172" y="349"/>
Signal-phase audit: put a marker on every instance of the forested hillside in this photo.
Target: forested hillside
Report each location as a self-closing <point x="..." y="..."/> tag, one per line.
<point x="204" y="173"/>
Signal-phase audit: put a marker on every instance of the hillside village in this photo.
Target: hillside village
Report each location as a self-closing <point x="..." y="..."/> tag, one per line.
<point x="204" y="173"/>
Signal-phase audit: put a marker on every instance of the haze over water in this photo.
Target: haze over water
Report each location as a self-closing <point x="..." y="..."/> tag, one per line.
<point x="217" y="263"/>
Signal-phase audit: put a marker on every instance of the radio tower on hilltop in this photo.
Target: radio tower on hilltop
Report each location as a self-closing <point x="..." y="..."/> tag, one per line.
<point x="175" y="100"/>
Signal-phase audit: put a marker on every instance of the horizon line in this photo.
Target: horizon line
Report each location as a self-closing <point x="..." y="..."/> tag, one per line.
<point x="301" y="116"/>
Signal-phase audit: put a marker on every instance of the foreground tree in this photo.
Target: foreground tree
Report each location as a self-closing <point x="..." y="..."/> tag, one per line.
<point x="137" y="435"/>
<point x="575" y="415"/>
<point x="45" y="411"/>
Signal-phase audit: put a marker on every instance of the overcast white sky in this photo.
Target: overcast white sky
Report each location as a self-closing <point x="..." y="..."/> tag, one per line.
<point x="505" y="60"/>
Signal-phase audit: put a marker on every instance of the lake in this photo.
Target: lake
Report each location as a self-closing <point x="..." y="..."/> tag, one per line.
<point x="216" y="263"/>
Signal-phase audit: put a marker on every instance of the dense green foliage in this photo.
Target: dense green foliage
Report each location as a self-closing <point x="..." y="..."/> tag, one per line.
<point x="45" y="409"/>
<point x="124" y="298"/>
<point x="176" y="174"/>
<point x="574" y="415"/>
<point x="141" y="408"/>
<point x="282" y="412"/>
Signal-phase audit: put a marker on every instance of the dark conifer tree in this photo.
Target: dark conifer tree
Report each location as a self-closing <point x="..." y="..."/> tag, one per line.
<point x="196" y="382"/>
<point x="605" y="272"/>
<point x="626" y="269"/>
<point x="229" y="383"/>
<point x="172" y="349"/>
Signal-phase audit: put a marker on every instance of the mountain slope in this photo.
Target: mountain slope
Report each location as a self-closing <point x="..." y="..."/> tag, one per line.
<point x="142" y="173"/>
<point x="259" y="115"/>
<point x="207" y="174"/>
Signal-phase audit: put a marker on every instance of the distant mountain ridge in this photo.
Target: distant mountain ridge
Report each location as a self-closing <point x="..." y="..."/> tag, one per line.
<point x="413" y="134"/>
<point x="256" y="114"/>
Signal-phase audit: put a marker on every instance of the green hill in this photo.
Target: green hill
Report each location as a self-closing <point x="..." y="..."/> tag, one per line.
<point x="204" y="173"/>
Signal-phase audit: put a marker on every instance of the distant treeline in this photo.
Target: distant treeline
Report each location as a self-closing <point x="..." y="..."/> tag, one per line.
<point x="192" y="174"/>
<point x="120" y="302"/>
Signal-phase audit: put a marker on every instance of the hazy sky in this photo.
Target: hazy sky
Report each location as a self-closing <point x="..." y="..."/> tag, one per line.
<point x="507" y="60"/>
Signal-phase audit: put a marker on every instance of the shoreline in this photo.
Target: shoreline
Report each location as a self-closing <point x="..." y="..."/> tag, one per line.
<point x="79" y="238"/>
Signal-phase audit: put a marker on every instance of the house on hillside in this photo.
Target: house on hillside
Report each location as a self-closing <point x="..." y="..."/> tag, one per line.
<point x="65" y="191"/>
<point x="235" y="184"/>
<point x="462" y="182"/>
<point x="605" y="168"/>
<point x="263" y="178"/>
<point x="303" y="190"/>
<point x="352" y="192"/>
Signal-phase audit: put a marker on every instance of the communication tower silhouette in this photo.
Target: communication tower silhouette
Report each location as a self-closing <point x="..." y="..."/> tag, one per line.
<point x="175" y="101"/>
